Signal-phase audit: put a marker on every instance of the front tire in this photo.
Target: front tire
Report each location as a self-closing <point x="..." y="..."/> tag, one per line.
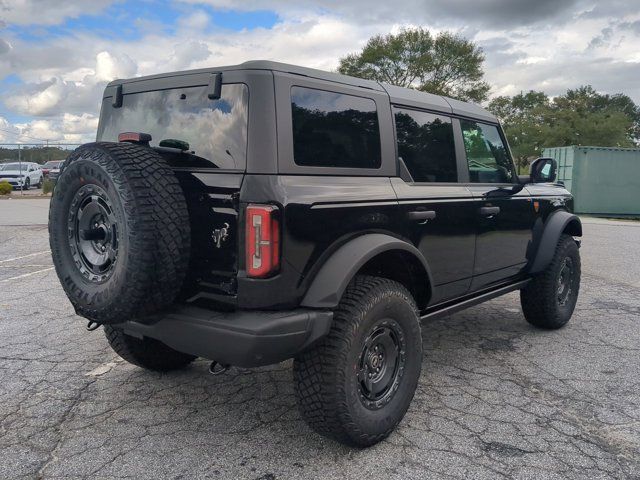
<point x="549" y="299"/>
<point x="147" y="353"/>
<point x="27" y="184"/>
<point x="356" y="385"/>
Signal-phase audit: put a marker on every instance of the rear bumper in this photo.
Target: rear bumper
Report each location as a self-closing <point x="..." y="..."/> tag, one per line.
<point x="241" y="338"/>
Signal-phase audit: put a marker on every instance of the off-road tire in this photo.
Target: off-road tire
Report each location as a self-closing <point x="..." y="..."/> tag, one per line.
<point x="325" y="379"/>
<point x="146" y="353"/>
<point x="151" y="241"/>
<point x="540" y="298"/>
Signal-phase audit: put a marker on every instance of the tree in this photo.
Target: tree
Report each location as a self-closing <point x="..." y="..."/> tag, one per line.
<point x="523" y="117"/>
<point x="33" y="154"/>
<point x="581" y="116"/>
<point x="446" y="64"/>
<point x="586" y="100"/>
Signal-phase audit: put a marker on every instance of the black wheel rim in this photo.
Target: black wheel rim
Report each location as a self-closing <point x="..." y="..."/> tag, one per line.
<point x="93" y="233"/>
<point x="381" y="364"/>
<point x="565" y="281"/>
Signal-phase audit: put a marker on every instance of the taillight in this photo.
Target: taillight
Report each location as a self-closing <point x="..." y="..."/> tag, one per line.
<point x="262" y="240"/>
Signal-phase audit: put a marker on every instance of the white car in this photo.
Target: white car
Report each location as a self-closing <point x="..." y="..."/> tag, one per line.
<point x="22" y="175"/>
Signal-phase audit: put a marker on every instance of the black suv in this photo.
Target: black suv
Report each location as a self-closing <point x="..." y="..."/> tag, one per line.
<point x="260" y="212"/>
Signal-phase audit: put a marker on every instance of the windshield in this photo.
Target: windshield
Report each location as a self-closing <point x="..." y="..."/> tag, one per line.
<point x="52" y="164"/>
<point x="215" y="130"/>
<point x="14" y="166"/>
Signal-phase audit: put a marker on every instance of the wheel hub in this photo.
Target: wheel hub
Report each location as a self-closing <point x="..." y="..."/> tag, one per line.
<point x="565" y="280"/>
<point x="381" y="364"/>
<point x="93" y="233"/>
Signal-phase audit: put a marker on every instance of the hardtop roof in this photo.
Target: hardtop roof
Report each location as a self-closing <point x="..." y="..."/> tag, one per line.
<point x="398" y="95"/>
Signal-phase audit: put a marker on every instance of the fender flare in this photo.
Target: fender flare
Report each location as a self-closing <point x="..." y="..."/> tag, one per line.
<point x="331" y="281"/>
<point x="555" y="225"/>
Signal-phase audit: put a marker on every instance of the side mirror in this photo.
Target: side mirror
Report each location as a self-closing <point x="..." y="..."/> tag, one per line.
<point x="543" y="170"/>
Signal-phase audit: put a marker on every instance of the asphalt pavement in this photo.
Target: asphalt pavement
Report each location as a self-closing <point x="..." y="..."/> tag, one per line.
<point x="496" y="399"/>
<point x="19" y="211"/>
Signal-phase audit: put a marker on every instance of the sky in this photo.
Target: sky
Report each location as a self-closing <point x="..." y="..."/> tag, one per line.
<point x="57" y="56"/>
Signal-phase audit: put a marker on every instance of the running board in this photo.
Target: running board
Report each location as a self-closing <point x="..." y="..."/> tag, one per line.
<point x="448" y="309"/>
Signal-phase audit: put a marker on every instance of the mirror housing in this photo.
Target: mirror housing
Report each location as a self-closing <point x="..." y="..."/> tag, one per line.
<point x="543" y="170"/>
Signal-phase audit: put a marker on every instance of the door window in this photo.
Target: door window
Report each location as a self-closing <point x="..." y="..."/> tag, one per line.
<point x="487" y="154"/>
<point x="426" y="146"/>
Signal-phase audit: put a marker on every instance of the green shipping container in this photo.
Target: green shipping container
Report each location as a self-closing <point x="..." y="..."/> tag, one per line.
<point x="603" y="180"/>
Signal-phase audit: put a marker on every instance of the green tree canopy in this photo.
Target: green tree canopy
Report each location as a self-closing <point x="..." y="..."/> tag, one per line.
<point x="582" y="116"/>
<point x="446" y="64"/>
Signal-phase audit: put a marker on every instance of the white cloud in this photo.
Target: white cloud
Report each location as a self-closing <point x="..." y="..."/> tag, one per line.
<point x="110" y="66"/>
<point x="9" y="133"/>
<point x="66" y="129"/>
<point x="197" y="20"/>
<point x="40" y="99"/>
<point x="78" y="91"/>
<point x="5" y="47"/>
<point x="47" y="12"/>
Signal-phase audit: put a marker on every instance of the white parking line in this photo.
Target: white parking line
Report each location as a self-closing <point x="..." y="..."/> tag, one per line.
<point x="25" y="256"/>
<point x="26" y="265"/>
<point x="26" y="275"/>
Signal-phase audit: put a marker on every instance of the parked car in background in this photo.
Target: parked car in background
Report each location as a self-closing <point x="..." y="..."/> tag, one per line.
<point x="22" y="175"/>
<point x="51" y="165"/>
<point x="54" y="172"/>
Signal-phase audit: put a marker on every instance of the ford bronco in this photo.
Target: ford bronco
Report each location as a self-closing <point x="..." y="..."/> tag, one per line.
<point x="260" y="212"/>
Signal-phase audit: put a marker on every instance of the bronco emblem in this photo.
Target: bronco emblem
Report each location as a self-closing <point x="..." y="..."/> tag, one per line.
<point x="219" y="235"/>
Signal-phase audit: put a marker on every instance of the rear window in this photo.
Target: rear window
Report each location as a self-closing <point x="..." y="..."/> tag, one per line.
<point x="334" y="130"/>
<point x="216" y="130"/>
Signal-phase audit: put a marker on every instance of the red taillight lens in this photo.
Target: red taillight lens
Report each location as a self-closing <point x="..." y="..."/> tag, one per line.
<point x="134" y="137"/>
<point x="262" y="240"/>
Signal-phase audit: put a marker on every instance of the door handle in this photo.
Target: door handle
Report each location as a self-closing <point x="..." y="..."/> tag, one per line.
<point x="489" y="212"/>
<point x="424" y="215"/>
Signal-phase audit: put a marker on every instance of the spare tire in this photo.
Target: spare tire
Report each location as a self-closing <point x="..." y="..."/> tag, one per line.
<point x="119" y="232"/>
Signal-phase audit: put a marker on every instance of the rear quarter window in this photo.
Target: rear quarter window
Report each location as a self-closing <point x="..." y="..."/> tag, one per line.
<point x="334" y="129"/>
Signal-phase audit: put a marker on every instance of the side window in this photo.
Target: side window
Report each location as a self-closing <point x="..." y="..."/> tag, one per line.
<point x="487" y="155"/>
<point x="425" y="144"/>
<point x="334" y="130"/>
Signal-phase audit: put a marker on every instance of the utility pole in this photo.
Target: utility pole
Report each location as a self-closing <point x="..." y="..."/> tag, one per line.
<point x="20" y="168"/>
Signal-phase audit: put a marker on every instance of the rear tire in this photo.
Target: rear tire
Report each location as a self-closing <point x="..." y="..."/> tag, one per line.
<point x="146" y="353"/>
<point x="549" y="299"/>
<point x="119" y="232"/>
<point x="356" y="385"/>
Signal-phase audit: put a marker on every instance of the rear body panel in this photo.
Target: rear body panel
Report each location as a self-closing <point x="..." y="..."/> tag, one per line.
<point x="320" y="213"/>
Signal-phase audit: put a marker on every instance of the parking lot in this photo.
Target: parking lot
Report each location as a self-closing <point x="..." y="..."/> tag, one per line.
<point x="497" y="398"/>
